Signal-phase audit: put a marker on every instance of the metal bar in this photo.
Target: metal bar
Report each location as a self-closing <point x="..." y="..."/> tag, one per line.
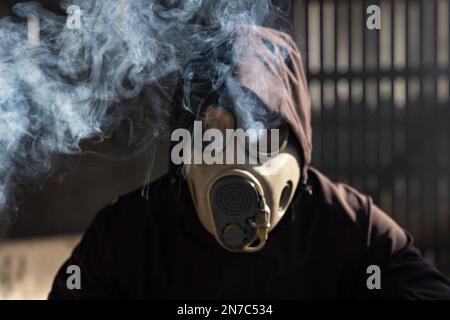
<point x="392" y="109"/>
<point x="378" y="106"/>
<point x="407" y="107"/>
<point x="364" y="94"/>
<point x="350" y="108"/>
<point x="336" y="99"/>
<point x="448" y="117"/>
<point x="322" y="43"/>
<point x="306" y="36"/>
<point x="421" y="99"/>
<point x="434" y="178"/>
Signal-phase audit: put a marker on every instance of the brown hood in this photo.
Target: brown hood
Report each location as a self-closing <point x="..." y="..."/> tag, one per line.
<point x="270" y="65"/>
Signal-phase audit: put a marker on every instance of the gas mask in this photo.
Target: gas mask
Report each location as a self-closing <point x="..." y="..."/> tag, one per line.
<point x="240" y="203"/>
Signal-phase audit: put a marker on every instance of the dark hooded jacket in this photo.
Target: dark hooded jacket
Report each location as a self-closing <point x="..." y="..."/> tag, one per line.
<point x="324" y="247"/>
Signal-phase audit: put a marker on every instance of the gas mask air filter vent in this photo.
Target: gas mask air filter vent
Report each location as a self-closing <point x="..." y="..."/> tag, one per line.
<point x="235" y="202"/>
<point x="235" y="196"/>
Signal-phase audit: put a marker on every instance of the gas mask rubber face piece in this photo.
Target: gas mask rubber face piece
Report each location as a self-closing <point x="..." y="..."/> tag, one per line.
<point x="240" y="202"/>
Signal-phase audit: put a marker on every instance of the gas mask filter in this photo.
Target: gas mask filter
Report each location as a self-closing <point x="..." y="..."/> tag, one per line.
<point x="240" y="203"/>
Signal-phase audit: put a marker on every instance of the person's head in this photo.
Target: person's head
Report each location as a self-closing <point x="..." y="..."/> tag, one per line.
<point x="248" y="150"/>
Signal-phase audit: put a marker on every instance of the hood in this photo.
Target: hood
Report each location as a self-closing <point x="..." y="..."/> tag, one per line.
<point x="265" y="61"/>
<point x="270" y="65"/>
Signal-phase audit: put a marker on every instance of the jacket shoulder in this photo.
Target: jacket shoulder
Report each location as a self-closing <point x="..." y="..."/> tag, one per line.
<point x="339" y="197"/>
<point x="360" y="216"/>
<point x="145" y="199"/>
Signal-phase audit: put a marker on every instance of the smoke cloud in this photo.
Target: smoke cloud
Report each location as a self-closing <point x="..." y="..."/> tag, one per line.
<point x="78" y="84"/>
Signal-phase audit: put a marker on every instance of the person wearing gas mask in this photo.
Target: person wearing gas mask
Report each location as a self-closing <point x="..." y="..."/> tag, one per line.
<point x="271" y="228"/>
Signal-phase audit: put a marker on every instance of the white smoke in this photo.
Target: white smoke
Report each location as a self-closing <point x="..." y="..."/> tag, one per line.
<point x="76" y="84"/>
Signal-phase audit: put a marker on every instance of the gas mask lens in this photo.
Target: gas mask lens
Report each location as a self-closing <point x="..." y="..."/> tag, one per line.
<point x="268" y="142"/>
<point x="215" y="117"/>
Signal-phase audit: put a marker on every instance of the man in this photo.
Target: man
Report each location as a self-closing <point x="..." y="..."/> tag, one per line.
<point x="275" y="228"/>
